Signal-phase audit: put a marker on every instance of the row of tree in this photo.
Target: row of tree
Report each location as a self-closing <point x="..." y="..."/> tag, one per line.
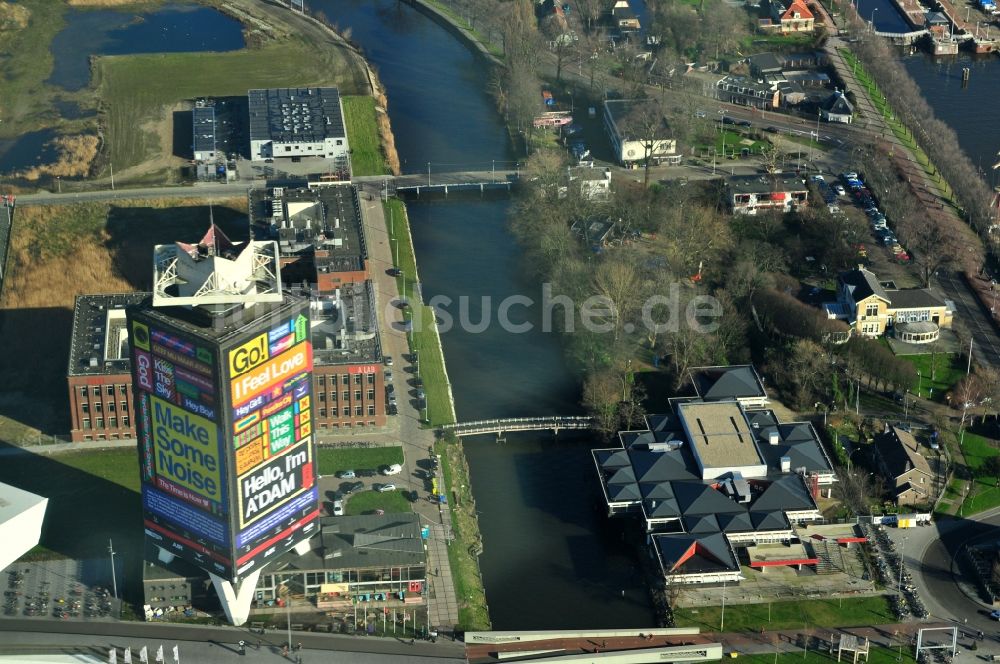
<point x="937" y="139"/>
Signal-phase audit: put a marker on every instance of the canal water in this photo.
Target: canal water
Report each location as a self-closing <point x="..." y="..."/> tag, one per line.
<point x="173" y="28"/>
<point x="551" y="558"/>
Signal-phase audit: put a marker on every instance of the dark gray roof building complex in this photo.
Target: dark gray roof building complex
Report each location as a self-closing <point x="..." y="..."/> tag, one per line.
<point x="703" y="489"/>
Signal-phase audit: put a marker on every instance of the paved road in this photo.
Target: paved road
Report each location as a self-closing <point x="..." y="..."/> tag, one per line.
<point x="986" y="344"/>
<point x="199" y="644"/>
<point x="946" y="590"/>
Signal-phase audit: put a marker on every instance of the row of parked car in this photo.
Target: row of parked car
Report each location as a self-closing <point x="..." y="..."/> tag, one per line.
<point x="863" y="198"/>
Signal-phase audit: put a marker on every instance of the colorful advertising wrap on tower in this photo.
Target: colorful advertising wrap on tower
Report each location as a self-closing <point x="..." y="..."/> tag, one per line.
<point x="184" y="489"/>
<point x="270" y="384"/>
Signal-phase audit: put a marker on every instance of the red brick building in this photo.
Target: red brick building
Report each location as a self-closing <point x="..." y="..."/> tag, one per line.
<point x="99" y="376"/>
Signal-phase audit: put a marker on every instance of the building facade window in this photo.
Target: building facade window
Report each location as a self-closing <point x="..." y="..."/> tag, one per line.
<point x="125" y="421"/>
<point x="85" y="407"/>
<point x="346" y="395"/>
<point x="357" y="411"/>
<point x="357" y="379"/>
<point x="322" y="397"/>
<point x="322" y="412"/>
<point x="113" y="422"/>
<point x="371" y="409"/>
<point x="86" y="423"/>
<point x="100" y="423"/>
<point x="123" y="406"/>
<point x="111" y="406"/>
<point x="96" y="391"/>
<point x="123" y="389"/>
<point x="347" y="411"/>
<point x="871" y="310"/>
<point x="371" y="394"/>
<point x="97" y="406"/>
<point x="345" y="379"/>
<point x="357" y="395"/>
<point x="371" y="379"/>
<point x="321" y="380"/>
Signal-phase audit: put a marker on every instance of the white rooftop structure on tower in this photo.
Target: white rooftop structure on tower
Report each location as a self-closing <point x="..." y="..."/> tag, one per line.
<point x="216" y="271"/>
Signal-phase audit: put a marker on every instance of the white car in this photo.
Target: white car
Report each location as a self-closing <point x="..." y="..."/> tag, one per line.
<point x="338" y="508"/>
<point x="384" y="488"/>
<point x="394" y="469"/>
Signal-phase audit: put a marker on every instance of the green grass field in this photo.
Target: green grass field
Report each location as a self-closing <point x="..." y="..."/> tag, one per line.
<point x="366" y="502"/>
<point x="333" y="459"/>
<point x="948" y="369"/>
<point x="877" y="655"/>
<point x="819" y="612"/>
<point x="139" y="90"/>
<point x="367" y="157"/>
<point x="424" y="339"/>
<point x="985" y="492"/>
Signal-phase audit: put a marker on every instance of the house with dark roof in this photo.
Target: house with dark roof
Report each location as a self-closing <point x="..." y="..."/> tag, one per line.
<point x="873" y="308"/>
<point x="905" y="469"/>
<point x="709" y="478"/>
<point x="740" y="383"/>
<point x="837" y="108"/>
<point x="750" y="194"/>
<point x="354" y="559"/>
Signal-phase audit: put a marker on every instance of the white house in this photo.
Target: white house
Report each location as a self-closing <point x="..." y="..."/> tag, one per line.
<point x="631" y="149"/>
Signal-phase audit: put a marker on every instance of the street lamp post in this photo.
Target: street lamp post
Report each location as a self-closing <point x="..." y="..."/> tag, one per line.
<point x="872" y="21"/>
<point x="722" y="622"/>
<point x="114" y="576"/>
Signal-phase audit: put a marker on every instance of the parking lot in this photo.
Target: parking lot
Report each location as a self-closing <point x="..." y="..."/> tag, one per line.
<point x="66" y="589"/>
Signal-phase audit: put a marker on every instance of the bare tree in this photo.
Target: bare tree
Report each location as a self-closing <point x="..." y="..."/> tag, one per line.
<point x="645" y="123"/>
<point x="934" y="244"/>
<point x="600" y="397"/>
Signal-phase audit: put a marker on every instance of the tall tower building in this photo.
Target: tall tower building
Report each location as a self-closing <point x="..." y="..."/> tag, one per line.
<point x="222" y="372"/>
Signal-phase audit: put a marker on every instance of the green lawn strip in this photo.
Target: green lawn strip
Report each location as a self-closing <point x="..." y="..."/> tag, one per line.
<point x="984" y="493"/>
<point x="423" y="339"/>
<point x="876" y="655"/>
<point x="366" y="502"/>
<point x="728" y="141"/>
<point x="899" y="130"/>
<point x="367" y="157"/>
<point x="807" y="141"/>
<point x="334" y="459"/>
<point x="948" y="369"/>
<point x="462" y="22"/>
<point x="137" y="90"/>
<point x="816" y="612"/>
<point x="473" y="612"/>
<point x="27" y="64"/>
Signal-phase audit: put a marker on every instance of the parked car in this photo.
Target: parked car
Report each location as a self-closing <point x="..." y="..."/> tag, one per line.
<point x="352" y="487"/>
<point x="345" y="474"/>
<point x="388" y="360"/>
<point x="744" y="123"/>
<point x="384" y="488"/>
<point x="392" y="409"/>
<point x="338" y="508"/>
<point x="995" y="614"/>
<point x="394" y="272"/>
<point x="387" y="374"/>
<point x="700" y="113"/>
<point x="817" y="179"/>
<point x="849" y="175"/>
<point x="728" y="120"/>
<point x="772" y="130"/>
<point x="393" y="469"/>
<point x="839" y="189"/>
<point x="366" y="473"/>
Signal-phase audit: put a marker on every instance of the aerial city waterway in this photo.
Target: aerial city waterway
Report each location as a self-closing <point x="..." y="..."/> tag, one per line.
<point x="550" y="560"/>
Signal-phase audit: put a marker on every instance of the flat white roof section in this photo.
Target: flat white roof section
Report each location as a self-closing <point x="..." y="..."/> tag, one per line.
<point x="21" y="517"/>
